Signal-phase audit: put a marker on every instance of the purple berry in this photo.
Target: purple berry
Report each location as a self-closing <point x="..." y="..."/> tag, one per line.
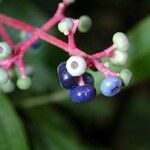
<point x="82" y="94"/>
<point x="88" y="78"/>
<point x="110" y="86"/>
<point x="66" y="80"/>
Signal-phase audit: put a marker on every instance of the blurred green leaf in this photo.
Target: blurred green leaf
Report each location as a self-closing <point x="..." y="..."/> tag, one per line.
<point x="135" y="125"/>
<point x="12" y="135"/>
<point x="51" y="130"/>
<point x="139" y="52"/>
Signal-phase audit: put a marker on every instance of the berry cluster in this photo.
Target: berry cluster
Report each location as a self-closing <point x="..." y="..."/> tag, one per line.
<point x="72" y="74"/>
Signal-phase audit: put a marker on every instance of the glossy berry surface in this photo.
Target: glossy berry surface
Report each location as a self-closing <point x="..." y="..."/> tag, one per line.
<point x="76" y="65"/>
<point x="66" y="80"/>
<point x="110" y="86"/>
<point x="82" y="94"/>
<point x="88" y="78"/>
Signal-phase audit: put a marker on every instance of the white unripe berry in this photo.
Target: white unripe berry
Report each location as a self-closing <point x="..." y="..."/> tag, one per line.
<point x="69" y="1"/>
<point x="119" y="58"/>
<point x="3" y="76"/>
<point x="126" y="76"/>
<point x="65" y="26"/>
<point x="76" y="65"/>
<point x="85" y="23"/>
<point x="121" y="41"/>
<point x="5" y="50"/>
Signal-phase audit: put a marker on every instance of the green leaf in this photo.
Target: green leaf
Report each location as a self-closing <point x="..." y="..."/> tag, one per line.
<point x="12" y="135"/>
<point x="51" y="130"/>
<point x="139" y="52"/>
<point x="135" y="125"/>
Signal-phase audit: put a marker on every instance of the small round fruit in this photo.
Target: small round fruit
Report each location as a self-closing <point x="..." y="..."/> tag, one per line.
<point x="7" y="87"/>
<point x="85" y="23"/>
<point x="5" y="50"/>
<point x="88" y="78"/>
<point x="121" y="41"/>
<point x="66" y="80"/>
<point x="126" y="76"/>
<point x="4" y="77"/>
<point x="24" y="83"/>
<point x="69" y="1"/>
<point x="119" y="58"/>
<point x="76" y="65"/>
<point x="110" y="86"/>
<point x="65" y="26"/>
<point x="83" y="94"/>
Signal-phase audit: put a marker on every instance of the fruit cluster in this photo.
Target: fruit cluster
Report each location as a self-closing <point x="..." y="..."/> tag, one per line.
<point x="72" y="74"/>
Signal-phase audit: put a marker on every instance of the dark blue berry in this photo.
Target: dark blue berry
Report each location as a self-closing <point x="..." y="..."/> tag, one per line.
<point x="66" y="80"/>
<point x="36" y="44"/>
<point x="110" y="86"/>
<point x="88" y="78"/>
<point x="82" y="94"/>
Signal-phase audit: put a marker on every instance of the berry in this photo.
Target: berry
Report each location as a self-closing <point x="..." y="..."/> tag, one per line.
<point x="110" y="86"/>
<point x="69" y="1"/>
<point x="3" y="76"/>
<point x="7" y="87"/>
<point x="119" y="58"/>
<point x="85" y="23"/>
<point x="82" y="94"/>
<point x="88" y="78"/>
<point x="27" y="35"/>
<point x="76" y="65"/>
<point x="66" y="80"/>
<point x="24" y="83"/>
<point x="65" y="26"/>
<point x="126" y="76"/>
<point x="121" y="41"/>
<point x="5" y="50"/>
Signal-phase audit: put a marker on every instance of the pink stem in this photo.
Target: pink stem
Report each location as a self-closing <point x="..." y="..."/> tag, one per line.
<point x="104" y="53"/>
<point x="81" y="81"/>
<point x="41" y="33"/>
<point x="71" y="39"/>
<point x="5" y="35"/>
<point x="21" y="66"/>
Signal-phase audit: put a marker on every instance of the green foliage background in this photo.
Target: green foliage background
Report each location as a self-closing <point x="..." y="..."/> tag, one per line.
<point x="43" y="118"/>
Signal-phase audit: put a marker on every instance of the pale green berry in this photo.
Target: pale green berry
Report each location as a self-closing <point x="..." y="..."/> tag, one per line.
<point x="126" y="76"/>
<point x="24" y="83"/>
<point x="65" y="26"/>
<point x="23" y="35"/>
<point x="5" y="50"/>
<point x="8" y="87"/>
<point x="119" y="58"/>
<point x="85" y="23"/>
<point x="121" y="41"/>
<point x="69" y="1"/>
<point x="3" y="76"/>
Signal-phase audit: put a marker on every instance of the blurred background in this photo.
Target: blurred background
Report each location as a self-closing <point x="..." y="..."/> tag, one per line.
<point x="43" y="118"/>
